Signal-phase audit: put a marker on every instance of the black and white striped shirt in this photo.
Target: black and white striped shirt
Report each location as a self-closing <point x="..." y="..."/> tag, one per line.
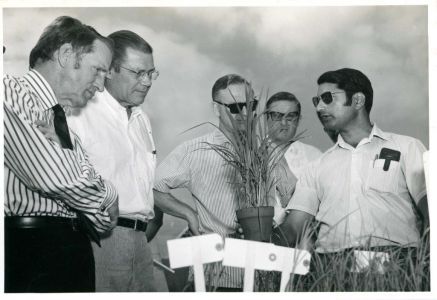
<point x="195" y="166"/>
<point x="40" y="177"/>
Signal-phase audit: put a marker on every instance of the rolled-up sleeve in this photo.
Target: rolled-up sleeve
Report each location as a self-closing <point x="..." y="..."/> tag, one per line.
<point x="305" y="196"/>
<point x="414" y="169"/>
<point x="173" y="172"/>
<point x="53" y="172"/>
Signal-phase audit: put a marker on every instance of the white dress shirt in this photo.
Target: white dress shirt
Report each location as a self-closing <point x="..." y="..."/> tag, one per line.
<point x="122" y="150"/>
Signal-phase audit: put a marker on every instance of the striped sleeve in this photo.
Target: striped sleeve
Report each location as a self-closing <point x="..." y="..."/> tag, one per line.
<point x="50" y="170"/>
<point x="174" y="171"/>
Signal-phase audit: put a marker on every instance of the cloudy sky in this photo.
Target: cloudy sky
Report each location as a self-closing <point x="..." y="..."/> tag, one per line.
<point x="276" y="48"/>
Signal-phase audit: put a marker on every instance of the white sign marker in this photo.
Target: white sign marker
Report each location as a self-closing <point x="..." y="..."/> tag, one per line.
<point x="195" y="251"/>
<point x="264" y="256"/>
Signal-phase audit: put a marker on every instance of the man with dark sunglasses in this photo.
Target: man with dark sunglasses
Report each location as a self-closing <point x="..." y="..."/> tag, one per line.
<point x="205" y="174"/>
<point x="283" y="112"/>
<point x="365" y="191"/>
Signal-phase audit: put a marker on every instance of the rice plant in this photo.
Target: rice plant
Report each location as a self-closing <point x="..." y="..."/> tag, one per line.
<point x="255" y="159"/>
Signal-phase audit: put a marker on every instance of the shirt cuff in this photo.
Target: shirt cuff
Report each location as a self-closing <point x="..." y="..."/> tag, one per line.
<point x="161" y="187"/>
<point x="305" y="200"/>
<point x="110" y="196"/>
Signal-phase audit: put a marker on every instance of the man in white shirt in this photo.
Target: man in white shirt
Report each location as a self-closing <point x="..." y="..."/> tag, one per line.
<point x="367" y="190"/>
<point x="117" y="136"/>
<point x="283" y="112"/>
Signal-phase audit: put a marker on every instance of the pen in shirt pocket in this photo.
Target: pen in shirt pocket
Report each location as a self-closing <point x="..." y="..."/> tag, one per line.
<point x="376" y="157"/>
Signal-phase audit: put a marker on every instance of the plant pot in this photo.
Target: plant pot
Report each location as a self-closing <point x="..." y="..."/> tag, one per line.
<point x="256" y="222"/>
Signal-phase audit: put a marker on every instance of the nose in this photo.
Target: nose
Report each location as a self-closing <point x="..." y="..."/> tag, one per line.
<point x="145" y="80"/>
<point x="284" y="121"/>
<point x="244" y="110"/>
<point x="320" y="106"/>
<point x="100" y="82"/>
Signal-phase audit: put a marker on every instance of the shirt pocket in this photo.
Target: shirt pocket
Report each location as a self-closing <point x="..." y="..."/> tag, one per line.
<point x="383" y="181"/>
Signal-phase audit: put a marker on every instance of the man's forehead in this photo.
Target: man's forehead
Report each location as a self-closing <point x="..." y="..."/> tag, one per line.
<point x="327" y="87"/>
<point x="139" y="58"/>
<point x="100" y="53"/>
<point x="233" y="93"/>
<point x="284" y="106"/>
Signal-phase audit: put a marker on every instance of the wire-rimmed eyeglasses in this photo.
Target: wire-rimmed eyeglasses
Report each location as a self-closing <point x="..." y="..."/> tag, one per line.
<point x="151" y="74"/>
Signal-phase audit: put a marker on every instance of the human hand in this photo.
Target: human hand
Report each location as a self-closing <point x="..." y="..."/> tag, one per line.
<point x="48" y="130"/>
<point x="113" y="214"/>
<point x="193" y="223"/>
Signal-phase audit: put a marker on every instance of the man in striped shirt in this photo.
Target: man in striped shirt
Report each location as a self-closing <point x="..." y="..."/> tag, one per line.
<point x="49" y="185"/>
<point x="209" y="179"/>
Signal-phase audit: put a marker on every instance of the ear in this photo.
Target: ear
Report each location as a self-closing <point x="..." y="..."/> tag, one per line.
<point x="65" y="53"/>
<point x="298" y="120"/>
<point x="215" y="108"/>
<point x="358" y="100"/>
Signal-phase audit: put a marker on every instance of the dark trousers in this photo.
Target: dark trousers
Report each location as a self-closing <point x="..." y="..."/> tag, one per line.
<point x="48" y="260"/>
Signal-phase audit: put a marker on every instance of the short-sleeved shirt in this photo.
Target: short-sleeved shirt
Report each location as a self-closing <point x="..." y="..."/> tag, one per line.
<point x="298" y="156"/>
<point x="356" y="201"/>
<point x="195" y="166"/>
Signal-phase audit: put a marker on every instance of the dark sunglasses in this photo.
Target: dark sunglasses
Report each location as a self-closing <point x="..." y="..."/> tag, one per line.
<point x="278" y="116"/>
<point x="237" y="107"/>
<point x="326" y="97"/>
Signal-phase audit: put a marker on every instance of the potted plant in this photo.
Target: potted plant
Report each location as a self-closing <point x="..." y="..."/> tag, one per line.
<point x="256" y="162"/>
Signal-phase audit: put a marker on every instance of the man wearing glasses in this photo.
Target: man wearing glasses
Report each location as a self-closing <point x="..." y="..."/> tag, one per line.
<point x="117" y="136"/>
<point x="364" y="191"/>
<point x="204" y="173"/>
<point x="283" y="115"/>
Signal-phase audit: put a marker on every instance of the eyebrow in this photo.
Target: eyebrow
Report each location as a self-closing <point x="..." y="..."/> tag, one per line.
<point x="101" y="69"/>
<point x="287" y="113"/>
<point x="143" y="70"/>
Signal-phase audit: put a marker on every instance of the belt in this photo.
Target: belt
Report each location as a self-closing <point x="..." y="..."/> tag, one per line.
<point x="134" y="224"/>
<point x="41" y="222"/>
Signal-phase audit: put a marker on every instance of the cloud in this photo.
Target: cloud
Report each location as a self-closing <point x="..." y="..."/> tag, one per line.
<point x="277" y="48"/>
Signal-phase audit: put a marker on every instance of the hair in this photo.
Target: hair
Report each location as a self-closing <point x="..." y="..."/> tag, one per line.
<point x="124" y="39"/>
<point x="225" y="81"/>
<point x="64" y="30"/>
<point x="283" y="96"/>
<point x="351" y="81"/>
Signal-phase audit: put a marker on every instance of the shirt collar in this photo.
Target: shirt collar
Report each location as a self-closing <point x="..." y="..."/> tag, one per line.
<point x="375" y="132"/>
<point x="218" y="137"/>
<point x="42" y="88"/>
<point x="117" y="107"/>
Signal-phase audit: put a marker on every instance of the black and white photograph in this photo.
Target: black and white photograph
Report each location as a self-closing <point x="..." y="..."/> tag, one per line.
<point x="246" y="146"/>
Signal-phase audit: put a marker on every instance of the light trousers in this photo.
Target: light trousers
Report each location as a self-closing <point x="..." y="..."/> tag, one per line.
<point x="124" y="263"/>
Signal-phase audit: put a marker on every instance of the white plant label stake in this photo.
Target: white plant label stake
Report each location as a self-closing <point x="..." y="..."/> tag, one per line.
<point x="252" y="255"/>
<point x="195" y="251"/>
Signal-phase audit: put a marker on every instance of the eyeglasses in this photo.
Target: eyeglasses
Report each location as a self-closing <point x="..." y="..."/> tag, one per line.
<point x="278" y="116"/>
<point x="326" y="97"/>
<point x="151" y="74"/>
<point x="237" y="107"/>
